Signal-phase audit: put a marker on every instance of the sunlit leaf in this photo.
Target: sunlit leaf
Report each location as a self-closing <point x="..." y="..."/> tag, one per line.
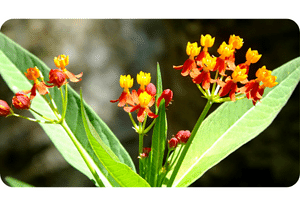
<point x="120" y="172"/>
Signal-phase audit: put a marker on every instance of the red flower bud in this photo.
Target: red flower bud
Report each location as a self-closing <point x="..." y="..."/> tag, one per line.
<point x="57" y="77"/>
<point x="183" y="136"/>
<point x="151" y="89"/>
<point x="167" y="95"/>
<point x="173" y="142"/>
<point x="145" y="153"/>
<point x="4" y="108"/>
<point x="21" y="101"/>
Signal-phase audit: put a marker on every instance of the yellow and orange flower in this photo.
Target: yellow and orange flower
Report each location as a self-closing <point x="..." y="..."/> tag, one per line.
<point x="206" y="41"/>
<point x="33" y="73"/>
<point x="230" y="85"/>
<point x="61" y="62"/>
<point x="235" y="41"/>
<point x="126" y="82"/>
<point x="208" y="63"/>
<point x="225" y="51"/>
<point x="143" y="103"/>
<point x="143" y="79"/>
<point x="254" y="90"/>
<point x="192" y="50"/>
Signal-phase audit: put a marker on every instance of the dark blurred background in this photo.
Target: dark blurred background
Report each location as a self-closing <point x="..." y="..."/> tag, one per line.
<point x="104" y="49"/>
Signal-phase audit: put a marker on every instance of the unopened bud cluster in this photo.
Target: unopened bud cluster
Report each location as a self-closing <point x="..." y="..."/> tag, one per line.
<point x="180" y="138"/>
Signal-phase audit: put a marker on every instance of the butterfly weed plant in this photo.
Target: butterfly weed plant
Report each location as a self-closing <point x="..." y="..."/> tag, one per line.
<point x="87" y="143"/>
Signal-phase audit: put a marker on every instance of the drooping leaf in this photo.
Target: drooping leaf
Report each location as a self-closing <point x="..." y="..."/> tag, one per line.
<point x="235" y="123"/>
<point x="16" y="183"/>
<point x="120" y="172"/>
<point x="14" y="60"/>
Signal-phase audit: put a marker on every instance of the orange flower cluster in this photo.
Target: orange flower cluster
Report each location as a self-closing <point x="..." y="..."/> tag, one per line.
<point x="57" y="77"/>
<point x="143" y="99"/>
<point x="200" y="64"/>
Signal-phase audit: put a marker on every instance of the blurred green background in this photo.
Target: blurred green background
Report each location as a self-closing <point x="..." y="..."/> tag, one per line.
<point x="104" y="49"/>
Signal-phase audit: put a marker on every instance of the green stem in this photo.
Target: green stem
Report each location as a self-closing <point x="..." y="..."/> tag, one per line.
<point x="42" y="115"/>
<point x="164" y="170"/>
<point x="82" y="153"/>
<point x="133" y="122"/>
<point x="187" y="145"/>
<point x="144" y="124"/>
<point x="33" y="120"/>
<point x="150" y="126"/>
<point x="53" y="103"/>
<point x="172" y="162"/>
<point x="200" y="88"/>
<point x="141" y="143"/>
<point x="55" y="111"/>
<point x="64" y="101"/>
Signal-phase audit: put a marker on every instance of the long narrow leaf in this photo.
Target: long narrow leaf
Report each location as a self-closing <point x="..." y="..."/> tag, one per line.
<point x="159" y="136"/>
<point x="16" y="183"/>
<point x="120" y="172"/>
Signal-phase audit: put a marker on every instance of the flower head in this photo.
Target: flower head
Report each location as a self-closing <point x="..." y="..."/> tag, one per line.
<point x="253" y="89"/>
<point x="208" y="63"/>
<point x="235" y="41"/>
<point x="143" y="79"/>
<point x="269" y="81"/>
<point x="265" y="76"/>
<point x="143" y="103"/>
<point x="21" y="101"/>
<point x="252" y="56"/>
<point x="207" y="41"/>
<point x="144" y="99"/>
<point x="33" y="73"/>
<point x="57" y="77"/>
<point x="61" y="62"/>
<point x="230" y="85"/>
<point x="126" y="82"/>
<point x="225" y="50"/>
<point x="192" y="50"/>
<point x="4" y="108"/>
<point x="239" y="75"/>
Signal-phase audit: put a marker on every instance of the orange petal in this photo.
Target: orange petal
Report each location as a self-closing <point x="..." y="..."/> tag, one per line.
<point x="72" y="77"/>
<point x="42" y="88"/>
<point x="141" y="114"/>
<point x="150" y="113"/>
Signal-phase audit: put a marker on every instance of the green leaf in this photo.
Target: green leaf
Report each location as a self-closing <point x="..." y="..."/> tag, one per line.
<point x="16" y="183"/>
<point x="159" y="136"/>
<point x="14" y="61"/>
<point x="120" y="172"/>
<point x="235" y="123"/>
